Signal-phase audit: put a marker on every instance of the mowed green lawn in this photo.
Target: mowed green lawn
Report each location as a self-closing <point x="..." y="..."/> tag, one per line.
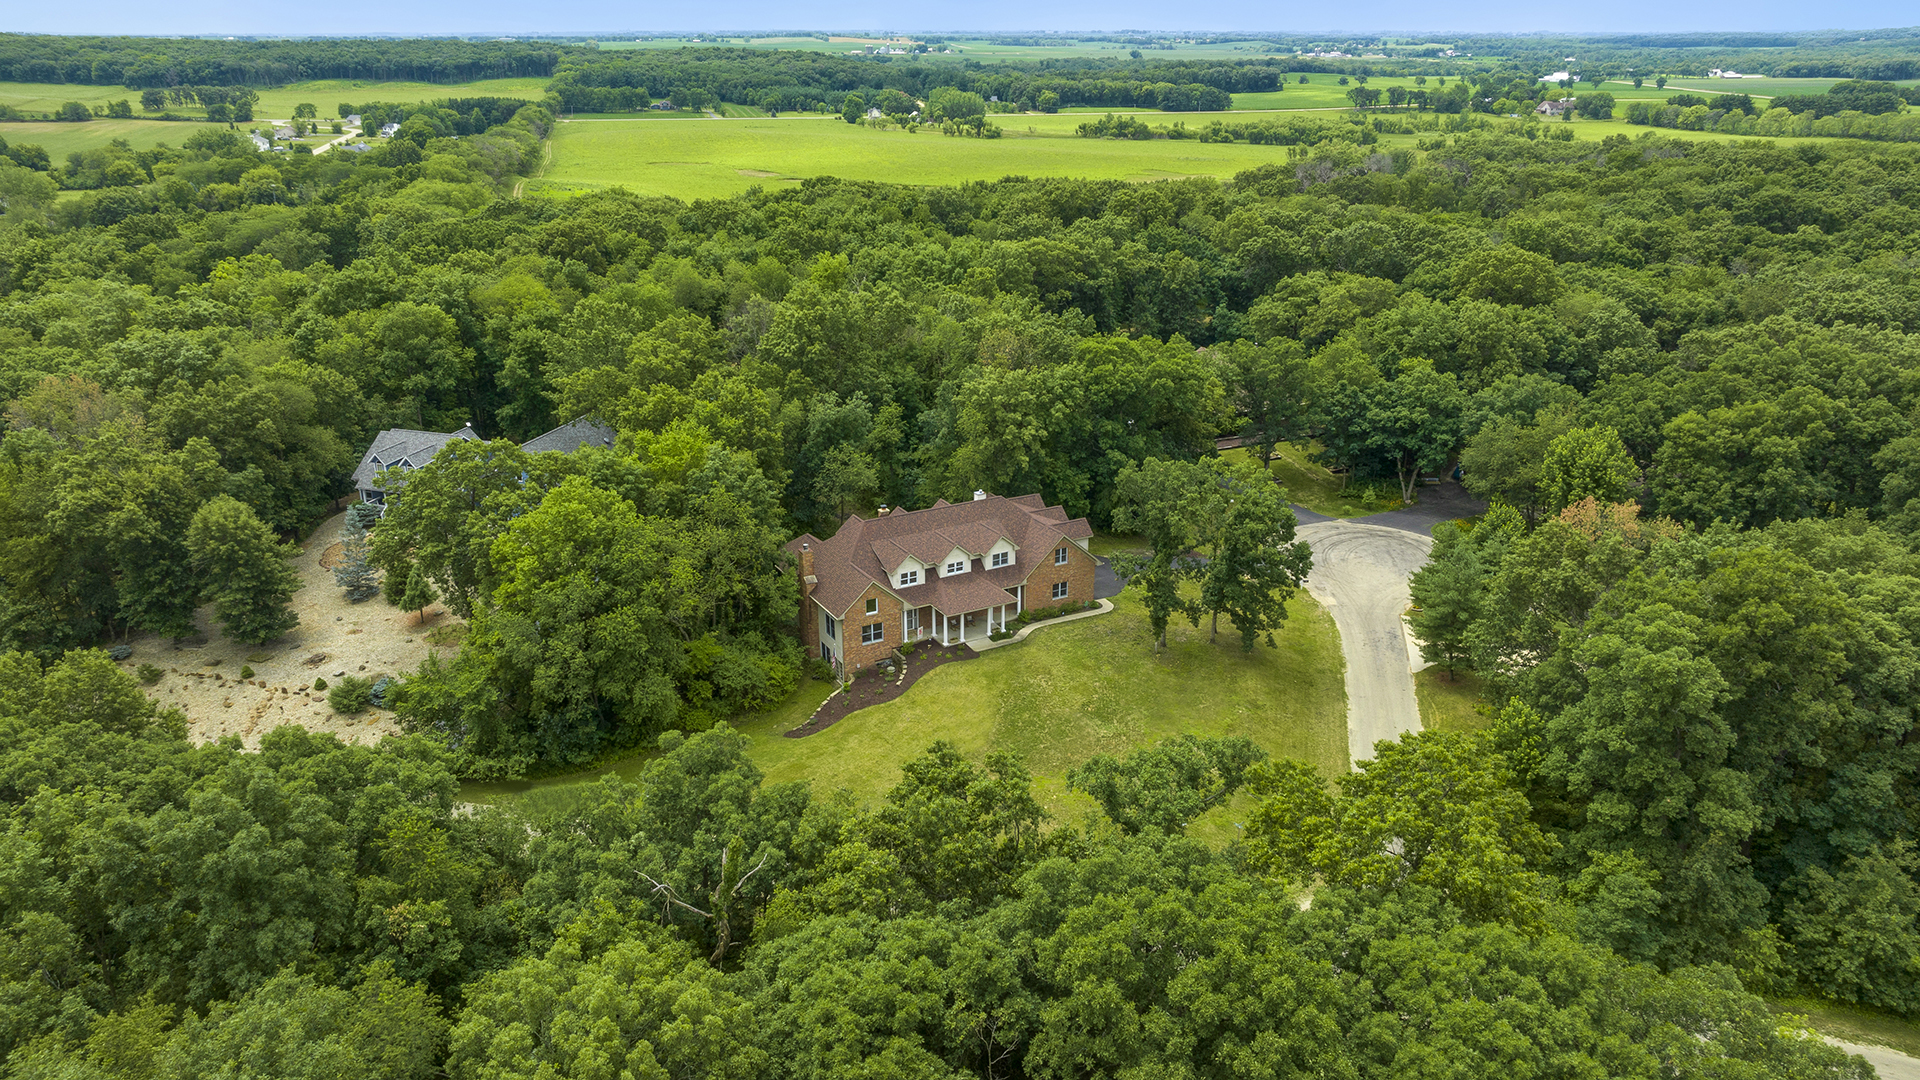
<point x="1090" y="687"/>
<point x="1065" y="694"/>
<point x="716" y="158"/>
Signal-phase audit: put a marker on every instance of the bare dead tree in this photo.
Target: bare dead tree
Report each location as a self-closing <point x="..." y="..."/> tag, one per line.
<point x="725" y="892"/>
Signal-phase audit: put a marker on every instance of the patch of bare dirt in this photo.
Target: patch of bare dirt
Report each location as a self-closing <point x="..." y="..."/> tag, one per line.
<point x="334" y="637"/>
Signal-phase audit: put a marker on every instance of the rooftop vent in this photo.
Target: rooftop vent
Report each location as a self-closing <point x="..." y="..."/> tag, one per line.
<point x="978" y="495"/>
<point x="883" y="510"/>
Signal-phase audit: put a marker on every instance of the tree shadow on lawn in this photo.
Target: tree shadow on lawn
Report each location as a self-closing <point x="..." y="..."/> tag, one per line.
<point x="872" y="688"/>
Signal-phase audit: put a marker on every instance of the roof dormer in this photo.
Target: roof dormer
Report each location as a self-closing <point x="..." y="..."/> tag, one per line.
<point x="909" y="573"/>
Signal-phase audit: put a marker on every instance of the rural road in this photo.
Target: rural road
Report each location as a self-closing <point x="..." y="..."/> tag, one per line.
<point x="1360" y="572"/>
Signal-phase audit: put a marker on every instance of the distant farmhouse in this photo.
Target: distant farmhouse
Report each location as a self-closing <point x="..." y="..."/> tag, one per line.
<point x="1554" y="108"/>
<point x="387" y="131"/>
<point x="407" y="449"/>
<point x="948" y="573"/>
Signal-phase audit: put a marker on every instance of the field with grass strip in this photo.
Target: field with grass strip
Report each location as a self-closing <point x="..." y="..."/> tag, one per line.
<point x="716" y="158"/>
<point x="1065" y="694"/>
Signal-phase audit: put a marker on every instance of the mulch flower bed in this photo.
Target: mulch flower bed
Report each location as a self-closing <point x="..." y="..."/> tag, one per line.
<point x="873" y="689"/>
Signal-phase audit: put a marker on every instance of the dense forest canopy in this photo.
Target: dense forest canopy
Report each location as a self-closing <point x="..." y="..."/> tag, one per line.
<point x="139" y="63"/>
<point x="1687" y="374"/>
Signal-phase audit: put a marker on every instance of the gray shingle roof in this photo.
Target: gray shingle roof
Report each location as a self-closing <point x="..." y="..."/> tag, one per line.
<point x="569" y="437"/>
<point x="403" y="448"/>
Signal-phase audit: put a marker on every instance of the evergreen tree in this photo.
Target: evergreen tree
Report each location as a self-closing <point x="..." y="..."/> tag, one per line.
<point x="354" y="572"/>
<point x="243" y="570"/>
<point x="419" y="593"/>
<point x="1447" y="597"/>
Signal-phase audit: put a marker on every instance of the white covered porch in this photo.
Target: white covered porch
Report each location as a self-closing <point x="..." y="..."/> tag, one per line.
<point x="957" y="628"/>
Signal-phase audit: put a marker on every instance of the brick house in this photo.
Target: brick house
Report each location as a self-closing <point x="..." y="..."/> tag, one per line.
<point x="951" y="572"/>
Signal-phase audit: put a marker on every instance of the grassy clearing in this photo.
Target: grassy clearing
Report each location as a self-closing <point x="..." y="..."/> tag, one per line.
<point x="1106" y="545"/>
<point x="1312" y="485"/>
<point x="1072" y="691"/>
<point x="1449" y="705"/>
<point x="1854" y="1024"/>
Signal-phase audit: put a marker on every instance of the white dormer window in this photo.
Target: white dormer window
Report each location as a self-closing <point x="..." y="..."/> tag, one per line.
<point x="1060" y="556"/>
<point x="909" y="577"/>
<point x="956" y="567"/>
<point x="1002" y="558"/>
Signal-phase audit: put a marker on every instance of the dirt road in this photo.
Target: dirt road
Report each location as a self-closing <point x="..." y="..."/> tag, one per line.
<point x="1360" y="573"/>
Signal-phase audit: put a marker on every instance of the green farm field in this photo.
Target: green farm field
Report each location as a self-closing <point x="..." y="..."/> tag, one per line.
<point x="798" y="44"/>
<point x="980" y="49"/>
<point x="59" y="140"/>
<point x="715" y="158"/>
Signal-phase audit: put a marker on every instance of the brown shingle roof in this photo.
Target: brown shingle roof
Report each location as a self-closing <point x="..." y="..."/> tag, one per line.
<point x="865" y="551"/>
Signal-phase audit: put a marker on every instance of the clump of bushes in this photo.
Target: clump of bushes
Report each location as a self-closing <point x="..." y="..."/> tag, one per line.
<point x="319" y="684"/>
<point x="120" y="652"/>
<point x="351" y="695"/>
<point x="149" y="674"/>
<point x="246" y="672"/>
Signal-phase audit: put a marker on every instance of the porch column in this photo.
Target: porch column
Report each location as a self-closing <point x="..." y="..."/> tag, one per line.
<point x="904" y="639"/>
<point x="963" y="628"/>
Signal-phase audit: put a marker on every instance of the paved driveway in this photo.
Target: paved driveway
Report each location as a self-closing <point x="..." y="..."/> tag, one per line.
<point x="1360" y="572"/>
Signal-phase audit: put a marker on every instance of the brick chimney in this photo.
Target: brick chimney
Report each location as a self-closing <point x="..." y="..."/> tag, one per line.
<point x="809" y="626"/>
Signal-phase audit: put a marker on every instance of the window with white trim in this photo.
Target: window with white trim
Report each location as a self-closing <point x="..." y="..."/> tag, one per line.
<point x="1059" y="590"/>
<point x="832" y="628"/>
<point x="909" y="577"/>
<point x="1002" y="558"/>
<point x="873" y="605"/>
<point x="1060" y="556"/>
<point x="873" y="633"/>
<point x="913" y="618"/>
<point x="956" y="567"/>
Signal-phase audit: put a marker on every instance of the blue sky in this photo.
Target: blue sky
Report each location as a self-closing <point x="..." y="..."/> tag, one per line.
<point x="346" y="17"/>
